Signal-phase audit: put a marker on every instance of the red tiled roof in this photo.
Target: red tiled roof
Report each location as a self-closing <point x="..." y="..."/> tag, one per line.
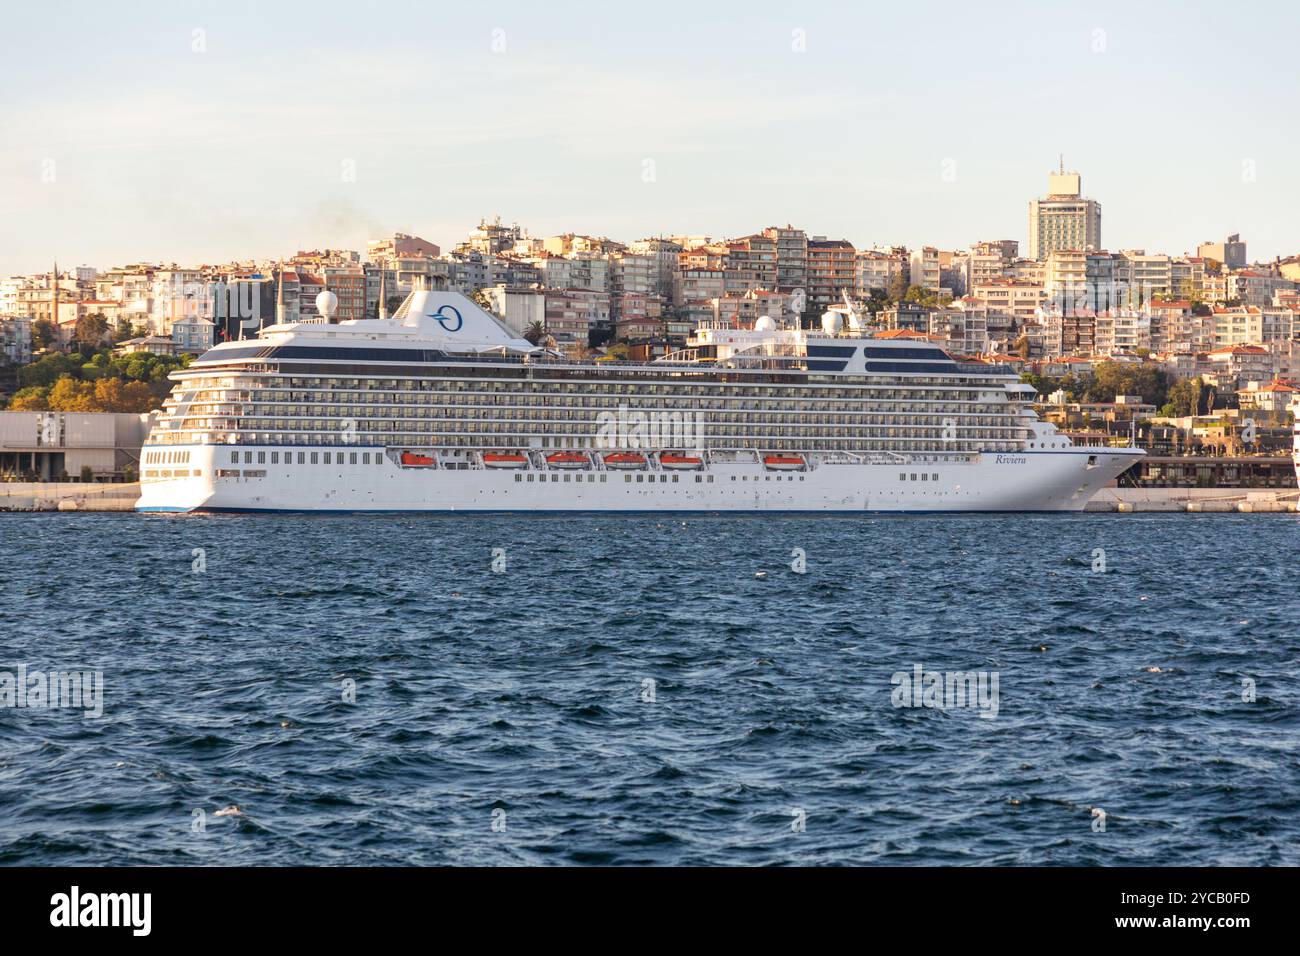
<point x="1239" y="350"/>
<point x="900" y="334"/>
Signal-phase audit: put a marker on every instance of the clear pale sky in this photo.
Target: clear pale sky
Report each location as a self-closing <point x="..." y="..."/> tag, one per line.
<point x="898" y="123"/>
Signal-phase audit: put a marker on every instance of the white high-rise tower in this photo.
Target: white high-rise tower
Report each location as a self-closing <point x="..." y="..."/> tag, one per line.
<point x="1063" y="219"/>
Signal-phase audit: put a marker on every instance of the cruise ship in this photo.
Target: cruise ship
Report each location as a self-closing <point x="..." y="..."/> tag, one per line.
<point x="444" y="408"/>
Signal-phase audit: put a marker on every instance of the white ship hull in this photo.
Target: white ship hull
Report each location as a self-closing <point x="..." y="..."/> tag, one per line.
<point x="1062" y="480"/>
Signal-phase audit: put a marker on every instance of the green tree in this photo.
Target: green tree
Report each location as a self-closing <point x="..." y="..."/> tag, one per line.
<point x="123" y="330"/>
<point x="877" y="300"/>
<point x="1128" y="378"/>
<point x="535" y="332"/>
<point x="1076" y="386"/>
<point x="35" y="398"/>
<point x="48" y="369"/>
<point x="44" y="334"/>
<point x="1043" y="384"/>
<point x="91" y="330"/>
<point x="481" y="299"/>
<point x="897" y="287"/>
<point x="1185" y="397"/>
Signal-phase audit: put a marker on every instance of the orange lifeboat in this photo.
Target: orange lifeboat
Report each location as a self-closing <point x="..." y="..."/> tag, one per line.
<point x="506" y="460"/>
<point x="785" y="463"/>
<point x="625" y="460"/>
<point x="412" y="460"/>
<point x="567" y="459"/>
<point x="670" y="461"/>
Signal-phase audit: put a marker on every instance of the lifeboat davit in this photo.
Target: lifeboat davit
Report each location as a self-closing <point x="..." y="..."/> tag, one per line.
<point x="674" y="462"/>
<point x="411" y="460"/>
<point x="499" y="460"/>
<point x="624" y="460"/>
<point x="785" y="463"/>
<point x="567" y="459"/>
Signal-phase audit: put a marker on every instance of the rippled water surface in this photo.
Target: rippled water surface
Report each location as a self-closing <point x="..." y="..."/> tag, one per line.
<point x="628" y="690"/>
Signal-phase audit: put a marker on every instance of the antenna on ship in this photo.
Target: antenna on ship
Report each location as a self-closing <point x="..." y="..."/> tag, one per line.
<point x="855" y="320"/>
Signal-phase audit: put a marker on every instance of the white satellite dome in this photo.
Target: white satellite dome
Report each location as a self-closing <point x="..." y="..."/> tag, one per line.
<point x="832" y="322"/>
<point x="764" y="323"/>
<point x="326" y="303"/>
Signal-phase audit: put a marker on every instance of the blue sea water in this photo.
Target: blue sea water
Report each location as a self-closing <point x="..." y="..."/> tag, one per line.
<point x="628" y="691"/>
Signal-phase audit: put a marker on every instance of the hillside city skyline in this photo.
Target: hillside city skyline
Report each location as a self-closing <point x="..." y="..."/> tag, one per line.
<point x="534" y="230"/>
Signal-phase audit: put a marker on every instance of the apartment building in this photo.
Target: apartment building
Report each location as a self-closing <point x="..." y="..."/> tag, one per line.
<point x="878" y="269"/>
<point x="571" y="314"/>
<point x="1016" y="299"/>
<point x="962" y="328"/>
<point x="987" y="261"/>
<point x="518" y="308"/>
<point x="791" y="256"/>
<point x="741" y="309"/>
<point x="831" y="271"/>
<point x="1250" y="287"/>
<point x="1235" y="366"/>
<point x="924" y="269"/>
<point x="1251" y="325"/>
<point x="665" y="253"/>
<point x="15" y="339"/>
<point x="751" y="264"/>
<point x="1231" y="253"/>
<point x="1121" y="332"/>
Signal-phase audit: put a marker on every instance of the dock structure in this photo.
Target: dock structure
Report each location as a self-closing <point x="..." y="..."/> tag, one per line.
<point x="1195" y="500"/>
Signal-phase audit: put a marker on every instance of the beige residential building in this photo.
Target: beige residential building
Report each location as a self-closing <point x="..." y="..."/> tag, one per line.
<point x="877" y="269"/>
<point x="1027" y="270"/>
<point x="1121" y="332"/>
<point x="1250" y="287"/>
<point x="988" y="260"/>
<point x="791" y="255"/>
<point x="1251" y="325"/>
<point x="751" y="264"/>
<point x="665" y="253"/>
<point x="1231" y="253"/>
<point x="1149" y="275"/>
<point x="925" y="269"/>
<point x="1012" y="298"/>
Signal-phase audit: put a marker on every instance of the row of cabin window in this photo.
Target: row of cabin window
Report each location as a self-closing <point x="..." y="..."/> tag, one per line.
<point x="306" y="457"/>
<point x="924" y="477"/>
<point x="166" y="457"/>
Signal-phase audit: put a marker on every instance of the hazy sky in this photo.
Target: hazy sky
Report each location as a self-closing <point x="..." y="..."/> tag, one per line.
<point x="128" y="136"/>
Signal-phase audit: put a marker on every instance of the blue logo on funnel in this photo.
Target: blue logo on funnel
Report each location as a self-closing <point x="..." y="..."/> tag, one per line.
<point x="449" y="318"/>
